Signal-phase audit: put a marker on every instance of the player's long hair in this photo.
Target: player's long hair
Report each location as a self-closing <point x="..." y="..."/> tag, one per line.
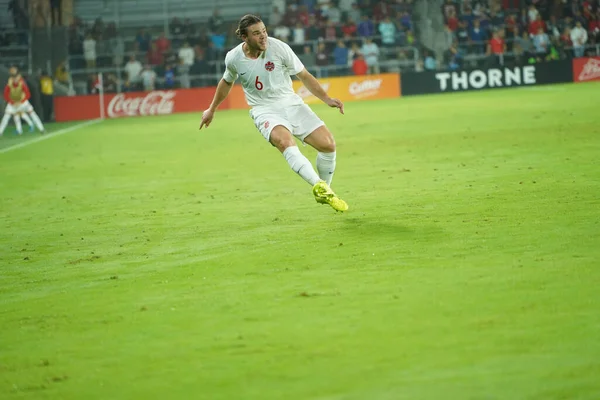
<point x="246" y="21"/>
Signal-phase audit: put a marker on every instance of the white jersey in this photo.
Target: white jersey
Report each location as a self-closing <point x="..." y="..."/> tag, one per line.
<point x="266" y="80"/>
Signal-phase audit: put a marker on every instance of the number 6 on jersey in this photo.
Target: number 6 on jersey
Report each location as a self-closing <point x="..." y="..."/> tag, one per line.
<point x="258" y="84"/>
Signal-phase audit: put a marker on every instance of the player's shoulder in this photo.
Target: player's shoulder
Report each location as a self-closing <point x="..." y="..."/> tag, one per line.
<point x="277" y="45"/>
<point x="234" y="54"/>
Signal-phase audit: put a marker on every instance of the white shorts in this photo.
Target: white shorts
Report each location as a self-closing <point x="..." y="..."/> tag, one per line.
<point x="299" y="119"/>
<point x="23" y="107"/>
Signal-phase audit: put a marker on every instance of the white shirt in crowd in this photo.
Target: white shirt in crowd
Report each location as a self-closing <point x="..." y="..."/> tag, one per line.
<point x="371" y="53"/>
<point x="89" y="49"/>
<point x="266" y="80"/>
<point x="532" y="13"/>
<point x="299" y="35"/>
<point x="579" y="37"/>
<point x="133" y="69"/>
<point x="282" y="32"/>
<point x="148" y="78"/>
<point x="186" y="54"/>
<point x="346" y="5"/>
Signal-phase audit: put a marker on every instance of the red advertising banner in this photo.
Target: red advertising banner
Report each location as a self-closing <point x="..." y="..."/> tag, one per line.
<point x="158" y="102"/>
<point x="586" y="69"/>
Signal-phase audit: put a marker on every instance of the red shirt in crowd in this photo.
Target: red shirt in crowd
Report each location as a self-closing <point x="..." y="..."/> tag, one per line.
<point x="534" y="26"/>
<point x="163" y="44"/>
<point x="497" y="45"/>
<point x="349" y="30"/>
<point x="155" y="57"/>
<point x="453" y="23"/>
<point x="359" y="66"/>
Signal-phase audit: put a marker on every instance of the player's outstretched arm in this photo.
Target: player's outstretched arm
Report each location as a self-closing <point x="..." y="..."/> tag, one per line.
<point x="313" y="86"/>
<point x="223" y="89"/>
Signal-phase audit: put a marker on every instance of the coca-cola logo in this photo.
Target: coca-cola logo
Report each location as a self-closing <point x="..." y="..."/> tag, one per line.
<point x="154" y="103"/>
<point x="365" y="87"/>
<point x="304" y="92"/>
<point x="591" y="70"/>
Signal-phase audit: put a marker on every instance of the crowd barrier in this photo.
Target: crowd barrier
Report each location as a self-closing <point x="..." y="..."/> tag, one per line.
<point x="350" y="88"/>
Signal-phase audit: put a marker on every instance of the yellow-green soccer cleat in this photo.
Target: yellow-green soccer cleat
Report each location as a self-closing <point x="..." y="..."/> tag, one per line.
<point x="324" y="195"/>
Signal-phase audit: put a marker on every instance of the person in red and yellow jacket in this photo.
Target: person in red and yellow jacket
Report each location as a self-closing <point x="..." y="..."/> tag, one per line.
<point x="16" y="95"/>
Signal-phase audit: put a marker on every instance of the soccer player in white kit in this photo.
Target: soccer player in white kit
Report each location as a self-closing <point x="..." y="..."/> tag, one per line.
<point x="264" y="65"/>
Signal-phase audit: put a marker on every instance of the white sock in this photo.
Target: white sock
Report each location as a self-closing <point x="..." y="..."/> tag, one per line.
<point x="326" y="166"/>
<point x="17" y="120"/>
<point x="37" y="121"/>
<point x="4" y="123"/>
<point x="301" y="165"/>
<point x="26" y="118"/>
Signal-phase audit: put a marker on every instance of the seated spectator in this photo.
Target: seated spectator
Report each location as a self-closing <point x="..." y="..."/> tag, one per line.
<point x="331" y="31"/>
<point x="308" y="58"/>
<point x="282" y="32"/>
<point x="304" y="16"/>
<point x="430" y="63"/>
<point x="186" y="54"/>
<point x="155" y="57"/>
<point x="387" y="29"/>
<point x="541" y="43"/>
<point x="340" y="57"/>
<point x="143" y="40"/>
<point x="333" y="14"/>
<point x="162" y="43"/>
<point x="366" y="27"/>
<point x="134" y="69"/>
<point x="359" y="65"/>
<point x="275" y="18"/>
<point x="535" y="26"/>
<point x="169" y="77"/>
<point x="405" y="21"/>
<point x="349" y="29"/>
<point x="215" y="22"/>
<point x="579" y="38"/>
<point x="354" y="14"/>
<point x="370" y="50"/>
<point x="322" y="60"/>
<point x="477" y="37"/>
<point x="299" y="34"/>
<point x="148" y="78"/>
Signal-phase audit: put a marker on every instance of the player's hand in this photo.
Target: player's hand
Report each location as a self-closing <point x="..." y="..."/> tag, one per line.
<point x="335" y="103"/>
<point x="207" y="117"/>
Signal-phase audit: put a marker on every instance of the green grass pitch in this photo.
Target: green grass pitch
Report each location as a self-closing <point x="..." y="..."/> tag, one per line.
<point x="143" y="259"/>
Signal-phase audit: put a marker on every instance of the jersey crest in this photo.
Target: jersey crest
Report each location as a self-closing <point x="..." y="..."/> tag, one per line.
<point x="269" y="66"/>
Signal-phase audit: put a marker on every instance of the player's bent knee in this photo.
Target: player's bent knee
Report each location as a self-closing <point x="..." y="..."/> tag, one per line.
<point x="281" y="138"/>
<point x="329" y="146"/>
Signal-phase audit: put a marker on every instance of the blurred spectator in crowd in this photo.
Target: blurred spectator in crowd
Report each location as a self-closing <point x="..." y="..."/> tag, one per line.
<point x="406" y="21"/>
<point x="169" y="77"/>
<point x="532" y="13"/>
<point x="176" y="28"/>
<point x="354" y="14"/>
<point x="89" y="51"/>
<point x="162" y="43"/>
<point x="47" y="96"/>
<point x="304" y="16"/>
<point x="496" y="49"/>
<point x="323" y="59"/>
<point x="111" y="83"/>
<point x="314" y="31"/>
<point x="523" y="48"/>
<point x="143" y="40"/>
<point x="541" y="43"/>
<point x="183" y="72"/>
<point x="148" y="77"/>
<point x="331" y="32"/>
<point x="370" y="51"/>
<point x="282" y="32"/>
<point x="275" y="17"/>
<point x="200" y="67"/>
<point x="56" y="12"/>
<point x="134" y="69"/>
<point x="118" y="49"/>
<point x="452" y="21"/>
<point x="19" y="14"/>
<point x="359" y="65"/>
<point x="387" y="29"/>
<point x="381" y="10"/>
<point x="186" y="54"/>
<point x="349" y="29"/>
<point x="536" y="25"/>
<point x="308" y="58"/>
<point x="189" y="31"/>
<point x="579" y="38"/>
<point x="430" y="63"/>
<point x="94" y="84"/>
<point x="154" y="57"/>
<point x="353" y="54"/>
<point x="476" y="37"/>
<point x="127" y="86"/>
<point x="333" y="14"/>
<point x="340" y="57"/>
<point x="299" y="34"/>
<point x="366" y="27"/>
<point x="454" y="56"/>
<point x="215" y="22"/>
